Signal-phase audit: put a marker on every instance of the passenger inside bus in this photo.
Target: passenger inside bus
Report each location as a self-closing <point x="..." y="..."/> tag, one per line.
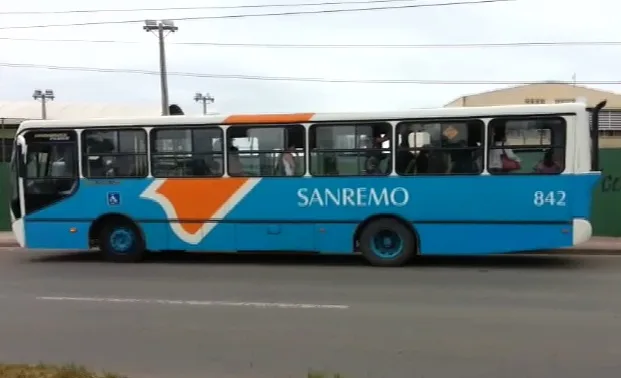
<point x="286" y="165"/>
<point x="289" y="162"/>
<point x="377" y="162"/>
<point x="547" y="164"/>
<point x="405" y="160"/>
<point x="235" y="165"/>
<point x="330" y="165"/>
<point x="96" y="164"/>
<point x="421" y="163"/>
<point x="503" y="159"/>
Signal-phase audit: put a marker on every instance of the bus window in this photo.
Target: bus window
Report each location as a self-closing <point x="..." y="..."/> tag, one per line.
<point x="536" y="144"/>
<point x="440" y="147"/>
<point x="350" y="149"/>
<point x="187" y="152"/>
<point x="51" y="169"/>
<point x="255" y="151"/>
<point x="114" y="153"/>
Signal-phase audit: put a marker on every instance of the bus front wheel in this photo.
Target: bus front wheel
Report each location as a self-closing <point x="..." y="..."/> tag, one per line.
<point x="122" y="241"/>
<point x="387" y="242"/>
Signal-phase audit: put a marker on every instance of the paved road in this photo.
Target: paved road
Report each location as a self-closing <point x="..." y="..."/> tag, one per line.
<point x="262" y="317"/>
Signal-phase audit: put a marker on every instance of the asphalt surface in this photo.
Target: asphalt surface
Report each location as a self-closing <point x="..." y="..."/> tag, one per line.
<point x="241" y="316"/>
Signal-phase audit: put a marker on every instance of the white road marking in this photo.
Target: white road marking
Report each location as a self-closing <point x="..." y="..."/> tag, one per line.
<point x="199" y="303"/>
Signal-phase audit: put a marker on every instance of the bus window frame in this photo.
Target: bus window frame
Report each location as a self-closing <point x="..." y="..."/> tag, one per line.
<point x="75" y="167"/>
<point x="83" y="154"/>
<point x="532" y="147"/>
<point x="27" y="179"/>
<point x="283" y="126"/>
<point x="152" y="150"/>
<point x="360" y="151"/>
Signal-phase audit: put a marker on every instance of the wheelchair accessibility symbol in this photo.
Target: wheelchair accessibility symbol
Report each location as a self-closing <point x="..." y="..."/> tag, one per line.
<point x="114" y="199"/>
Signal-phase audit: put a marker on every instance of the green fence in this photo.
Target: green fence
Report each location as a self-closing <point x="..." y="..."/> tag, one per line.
<point x="5" y="195"/>
<point x="606" y="195"/>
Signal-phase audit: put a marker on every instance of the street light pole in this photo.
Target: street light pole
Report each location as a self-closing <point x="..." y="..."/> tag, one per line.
<point x="161" y="27"/>
<point x="204" y="98"/>
<point x="43" y="96"/>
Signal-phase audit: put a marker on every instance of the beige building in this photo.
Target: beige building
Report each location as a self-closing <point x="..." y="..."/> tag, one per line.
<point x="550" y="93"/>
<point x="540" y="93"/>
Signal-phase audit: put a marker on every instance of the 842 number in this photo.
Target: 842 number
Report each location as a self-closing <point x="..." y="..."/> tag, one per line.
<point x="552" y="198"/>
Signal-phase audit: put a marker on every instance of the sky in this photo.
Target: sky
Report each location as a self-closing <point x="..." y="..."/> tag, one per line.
<point x="514" y="21"/>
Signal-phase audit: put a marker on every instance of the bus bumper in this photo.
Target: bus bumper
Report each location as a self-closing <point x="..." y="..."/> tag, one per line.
<point x="17" y="226"/>
<point x="582" y="231"/>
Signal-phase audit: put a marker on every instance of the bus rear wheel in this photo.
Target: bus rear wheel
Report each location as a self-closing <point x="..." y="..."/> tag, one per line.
<point x="122" y="242"/>
<point x="387" y="242"/>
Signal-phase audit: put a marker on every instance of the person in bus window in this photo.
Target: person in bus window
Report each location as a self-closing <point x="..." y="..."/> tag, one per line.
<point x="287" y="161"/>
<point x="502" y="160"/>
<point x="421" y="163"/>
<point x="547" y="164"/>
<point x="404" y="161"/>
<point x="235" y="166"/>
<point x="376" y="155"/>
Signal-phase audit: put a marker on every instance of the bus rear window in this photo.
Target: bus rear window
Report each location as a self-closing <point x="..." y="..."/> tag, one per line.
<point x="527" y="146"/>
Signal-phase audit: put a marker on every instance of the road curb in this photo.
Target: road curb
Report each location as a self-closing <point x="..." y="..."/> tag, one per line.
<point x="589" y="252"/>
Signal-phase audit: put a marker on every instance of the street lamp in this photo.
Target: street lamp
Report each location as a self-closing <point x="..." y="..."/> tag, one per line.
<point x="161" y="27"/>
<point x="205" y="99"/>
<point x="43" y="96"/>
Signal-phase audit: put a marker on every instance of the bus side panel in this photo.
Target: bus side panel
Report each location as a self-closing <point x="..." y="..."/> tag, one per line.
<point x="156" y="234"/>
<point x="50" y="227"/>
<point x="270" y="236"/>
<point x="583" y="189"/>
<point x="483" y="199"/>
<point x="485" y="239"/>
<point x="482" y="214"/>
<point x="523" y="212"/>
<point x="56" y="234"/>
<point x="335" y="238"/>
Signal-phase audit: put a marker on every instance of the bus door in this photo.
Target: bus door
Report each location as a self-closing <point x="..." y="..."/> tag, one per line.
<point x="47" y="169"/>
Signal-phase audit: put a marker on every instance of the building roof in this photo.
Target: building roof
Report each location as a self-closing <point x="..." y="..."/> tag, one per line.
<point x="550" y="91"/>
<point x="18" y="111"/>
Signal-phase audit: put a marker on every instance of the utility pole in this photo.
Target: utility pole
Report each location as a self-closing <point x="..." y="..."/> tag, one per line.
<point x="204" y="98"/>
<point x="43" y="96"/>
<point x="161" y="27"/>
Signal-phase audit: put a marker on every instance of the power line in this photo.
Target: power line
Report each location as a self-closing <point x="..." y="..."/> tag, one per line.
<point x="127" y="10"/>
<point x="233" y="16"/>
<point x="301" y="79"/>
<point x="341" y="46"/>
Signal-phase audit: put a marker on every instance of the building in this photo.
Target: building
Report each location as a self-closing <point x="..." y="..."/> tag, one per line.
<point x="551" y="93"/>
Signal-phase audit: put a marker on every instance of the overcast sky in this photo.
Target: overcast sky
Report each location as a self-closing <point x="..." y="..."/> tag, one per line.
<point x="517" y="21"/>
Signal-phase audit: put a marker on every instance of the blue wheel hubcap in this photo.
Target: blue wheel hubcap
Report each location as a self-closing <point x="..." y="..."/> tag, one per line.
<point x="121" y="240"/>
<point x="387" y="244"/>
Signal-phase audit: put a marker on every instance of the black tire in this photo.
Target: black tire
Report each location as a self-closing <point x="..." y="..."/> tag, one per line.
<point x="122" y="241"/>
<point x="398" y="244"/>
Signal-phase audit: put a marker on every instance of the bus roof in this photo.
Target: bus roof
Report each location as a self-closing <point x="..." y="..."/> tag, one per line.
<point x="289" y="118"/>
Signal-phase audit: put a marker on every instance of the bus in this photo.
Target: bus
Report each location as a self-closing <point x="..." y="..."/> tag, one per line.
<point x="388" y="186"/>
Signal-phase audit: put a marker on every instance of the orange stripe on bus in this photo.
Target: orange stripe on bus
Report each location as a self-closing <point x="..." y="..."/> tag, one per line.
<point x="199" y="199"/>
<point x="268" y="118"/>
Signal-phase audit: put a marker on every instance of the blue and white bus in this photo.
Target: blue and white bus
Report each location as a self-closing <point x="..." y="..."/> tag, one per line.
<point x="386" y="185"/>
